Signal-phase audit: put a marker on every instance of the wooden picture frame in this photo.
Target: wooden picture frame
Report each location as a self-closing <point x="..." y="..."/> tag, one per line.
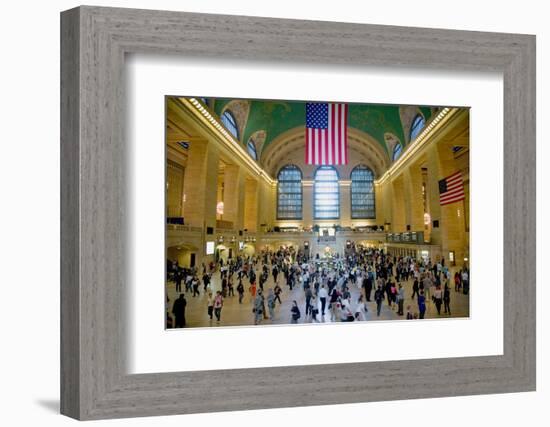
<point x="94" y="41"/>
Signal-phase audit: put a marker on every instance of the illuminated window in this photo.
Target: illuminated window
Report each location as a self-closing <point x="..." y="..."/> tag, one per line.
<point x="230" y="123"/>
<point x="327" y="194"/>
<point x="289" y="193"/>
<point x="251" y="148"/>
<point x="417" y="126"/>
<point x="397" y="149"/>
<point x="362" y="193"/>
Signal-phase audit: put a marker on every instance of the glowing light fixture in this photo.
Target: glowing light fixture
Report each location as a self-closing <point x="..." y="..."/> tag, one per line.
<point x="427" y="219"/>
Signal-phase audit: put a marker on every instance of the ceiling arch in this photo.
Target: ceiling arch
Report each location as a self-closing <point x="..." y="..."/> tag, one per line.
<point x="289" y="147"/>
<point x="276" y="117"/>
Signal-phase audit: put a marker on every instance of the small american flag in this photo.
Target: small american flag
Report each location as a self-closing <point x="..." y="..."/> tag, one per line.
<point x="451" y="189"/>
<point x="326" y="134"/>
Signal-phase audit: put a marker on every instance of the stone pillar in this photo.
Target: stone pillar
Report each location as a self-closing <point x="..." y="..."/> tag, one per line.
<point x="432" y="190"/>
<point x="251" y="204"/>
<point x="415" y="205"/>
<point x="452" y="215"/>
<point x="231" y="179"/>
<point x="200" y="184"/>
<point x="379" y="205"/>
<point x="398" y="205"/>
<point x="307" y="204"/>
<point x="345" y="204"/>
<point x="266" y="205"/>
<point x="450" y="234"/>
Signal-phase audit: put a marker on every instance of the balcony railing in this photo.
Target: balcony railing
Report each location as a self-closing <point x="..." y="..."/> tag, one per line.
<point x="179" y="227"/>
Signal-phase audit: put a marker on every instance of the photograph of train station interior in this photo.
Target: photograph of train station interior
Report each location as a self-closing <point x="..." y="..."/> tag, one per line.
<point x="309" y="212"/>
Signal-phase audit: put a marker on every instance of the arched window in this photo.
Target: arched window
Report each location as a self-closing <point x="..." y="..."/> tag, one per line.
<point x="230" y="123"/>
<point x="327" y="193"/>
<point x="417" y="126"/>
<point x="362" y="193"/>
<point x="289" y="193"/>
<point x="397" y="149"/>
<point x="251" y="148"/>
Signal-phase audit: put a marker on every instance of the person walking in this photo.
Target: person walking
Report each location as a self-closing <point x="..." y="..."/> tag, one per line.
<point x="323" y="295"/>
<point x="458" y="283"/>
<point x="400" y="299"/>
<point x="275" y="273"/>
<point x="210" y="305"/>
<point x="360" y="309"/>
<point x="195" y="284"/>
<point x="278" y="291"/>
<point x="415" y="288"/>
<point x="218" y="304"/>
<point x="465" y="278"/>
<point x="378" y="298"/>
<point x="240" y="291"/>
<point x="308" y="295"/>
<point x="428" y="283"/>
<point x="438" y="299"/>
<point x="178" y="310"/>
<point x="206" y="280"/>
<point x="409" y="313"/>
<point x="334" y="297"/>
<point x="421" y="304"/>
<point x="295" y="312"/>
<point x="447" y="299"/>
<point x="393" y="294"/>
<point x="314" y="308"/>
<point x="258" y="307"/>
<point x="178" y="277"/>
<point x="271" y="303"/>
<point x="252" y="290"/>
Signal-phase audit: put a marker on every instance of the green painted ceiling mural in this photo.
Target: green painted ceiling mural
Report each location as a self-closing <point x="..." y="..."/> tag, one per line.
<point x="276" y="117"/>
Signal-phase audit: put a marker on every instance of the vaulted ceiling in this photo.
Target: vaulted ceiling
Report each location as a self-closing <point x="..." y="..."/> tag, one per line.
<point x="387" y="124"/>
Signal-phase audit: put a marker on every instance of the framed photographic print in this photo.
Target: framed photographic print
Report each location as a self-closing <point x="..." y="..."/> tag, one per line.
<point x="309" y="202"/>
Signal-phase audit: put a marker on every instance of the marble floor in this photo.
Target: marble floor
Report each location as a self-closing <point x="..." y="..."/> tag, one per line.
<point x="235" y="314"/>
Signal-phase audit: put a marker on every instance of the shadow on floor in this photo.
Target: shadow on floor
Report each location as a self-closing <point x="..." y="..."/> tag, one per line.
<point x="51" y="405"/>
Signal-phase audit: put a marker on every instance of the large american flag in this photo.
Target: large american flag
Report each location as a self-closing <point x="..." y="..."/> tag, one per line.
<point x="326" y="133"/>
<point x="451" y="189"/>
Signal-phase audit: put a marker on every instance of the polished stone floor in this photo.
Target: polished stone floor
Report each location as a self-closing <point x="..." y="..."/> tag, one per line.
<point x="235" y="314"/>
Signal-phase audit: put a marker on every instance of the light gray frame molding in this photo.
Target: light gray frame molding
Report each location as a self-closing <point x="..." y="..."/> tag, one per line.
<point x="94" y="41"/>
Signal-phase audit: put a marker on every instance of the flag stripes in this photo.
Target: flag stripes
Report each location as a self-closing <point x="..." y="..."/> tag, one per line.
<point x="326" y="134"/>
<point x="451" y="189"/>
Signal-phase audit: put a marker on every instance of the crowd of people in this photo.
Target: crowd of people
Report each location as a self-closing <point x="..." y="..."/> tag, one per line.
<point x="338" y="288"/>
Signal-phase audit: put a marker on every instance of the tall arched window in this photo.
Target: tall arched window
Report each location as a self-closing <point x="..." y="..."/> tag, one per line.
<point x="251" y="148"/>
<point x="230" y="123"/>
<point x="362" y="193"/>
<point x="327" y="193"/>
<point x="397" y="149"/>
<point x="289" y="193"/>
<point x="417" y="126"/>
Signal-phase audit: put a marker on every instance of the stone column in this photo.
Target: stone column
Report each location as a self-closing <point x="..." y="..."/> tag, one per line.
<point x="432" y="190"/>
<point x="251" y="204"/>
<point x="415" y="205"/>
<point x="398" y="205"/>
<point x="452" y="215"/>
<point x="307" y="204"/>
<point x="345" y="204"/>
<point x="266" y="204"/>
<point x="200" y="184"/>
<point x="450" y="234"/>
<point x="231" y="179"/>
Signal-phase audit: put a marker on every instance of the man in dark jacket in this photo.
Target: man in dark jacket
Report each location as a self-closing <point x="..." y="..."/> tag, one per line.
<point x="178" y="310"/>
<point x="378" y="297"/>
